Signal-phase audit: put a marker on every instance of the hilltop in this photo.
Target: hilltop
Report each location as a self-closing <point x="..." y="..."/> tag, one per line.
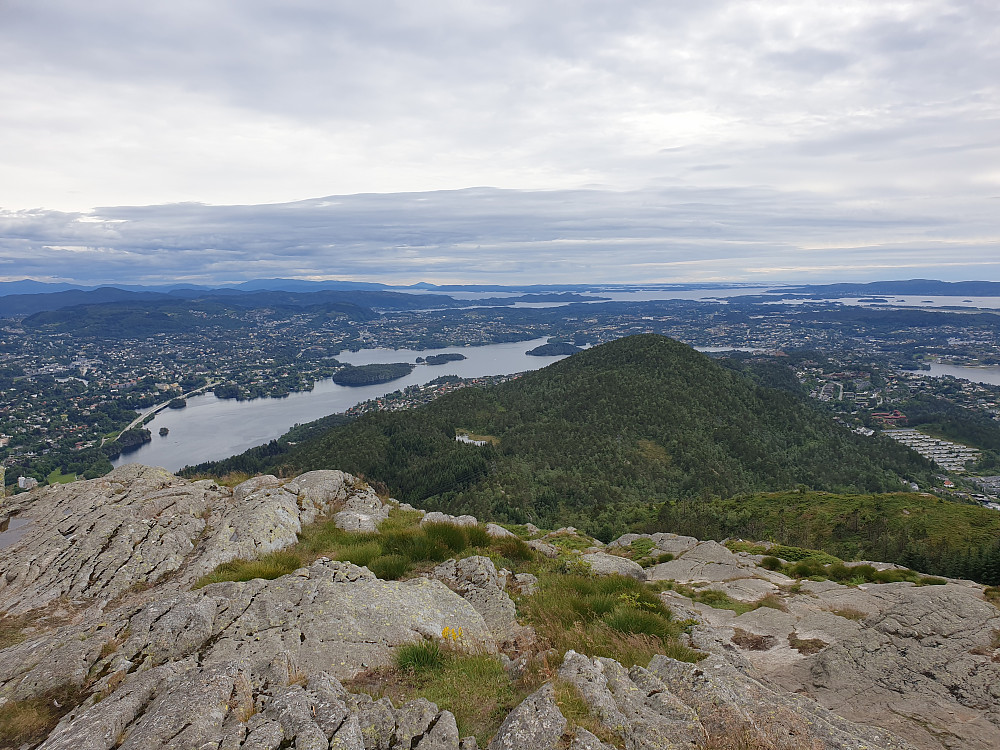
<point x="600" y="438"/>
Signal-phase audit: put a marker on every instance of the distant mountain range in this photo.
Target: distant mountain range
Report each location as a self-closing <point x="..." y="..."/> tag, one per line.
<point x="72" y="307"/>
<point x="26" y="297"/>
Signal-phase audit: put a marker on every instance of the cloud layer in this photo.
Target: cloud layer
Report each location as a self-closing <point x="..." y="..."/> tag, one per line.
<point x="508" y="236"/>
<point x="756" y="130"/>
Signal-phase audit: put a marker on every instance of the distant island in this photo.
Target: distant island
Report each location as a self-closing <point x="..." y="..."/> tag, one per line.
<point x="553" y="349"/>
<point x="440" y="359"/>
<point x="372" y="374"/>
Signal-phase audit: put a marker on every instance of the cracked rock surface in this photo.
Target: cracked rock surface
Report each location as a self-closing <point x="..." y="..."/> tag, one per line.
<point x="140" y="525"/>
<point x="920" y="661"/>
<point x="229" y="705"/>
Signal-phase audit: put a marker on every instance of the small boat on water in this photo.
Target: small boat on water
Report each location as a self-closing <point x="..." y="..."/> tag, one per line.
<point x="163" y="431"/>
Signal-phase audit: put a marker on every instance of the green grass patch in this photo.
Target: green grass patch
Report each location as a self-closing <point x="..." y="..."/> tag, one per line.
<point x="511" y="548"/>
<point x="521" y="530"/>
<point x="641" y="548"/>
<point x="451" y="537"/>
<point x="420" y="657"/>
<point x="721" y="600"/>
<point x="474" y="687"/>
<point x="642" y="551"/>
<point x="569" y="542"/>
<point x="389" y="567"/>
<point x="852" y="575"/>
<point x="57" y="477"/>
<point x="613" y="616"/>
<point x="270" y="566"/>
<point x="400" y="547"/>
<point x="784" y="551"/>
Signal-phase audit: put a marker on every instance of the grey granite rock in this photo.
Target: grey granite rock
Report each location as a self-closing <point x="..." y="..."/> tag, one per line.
<point x="437" y="517"/>
<point x="525" y="584"/>
<point x="603" y="564"/>
<point x="586" y="740"/>
<point x="339" y="620"/>
<point x="543" y="548"/>
<point x="441" y="735"/>
<point x="104" y="571"/>
<point x="226" y="705"/>
<point x="923" y="665"/>
<point x="705" y="562"/>
<point x="499" y="532"/>
<point x="102" y="538"/>
<point x="536" y="724"/>
<point x="729" y="703"/>
<point x="476" y="579"/>
<point x="634" y="704"/>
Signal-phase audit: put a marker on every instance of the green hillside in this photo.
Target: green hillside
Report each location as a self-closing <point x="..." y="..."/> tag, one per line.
<point x="920" y="531"/>
<point x="597" y="439"/>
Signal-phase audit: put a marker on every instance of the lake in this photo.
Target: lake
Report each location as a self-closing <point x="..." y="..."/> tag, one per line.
<point x="990" y="375"/>
<point x="208" y="428"/>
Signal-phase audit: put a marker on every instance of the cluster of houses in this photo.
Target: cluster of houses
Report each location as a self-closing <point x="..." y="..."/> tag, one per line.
<point x="947" y="455"/>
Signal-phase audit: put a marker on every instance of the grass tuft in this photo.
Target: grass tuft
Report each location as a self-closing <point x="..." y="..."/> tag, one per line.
<point x="12" y="630"/>
<point x="28" y="722"/>
<point x="452" y="537"/>
<point x="512" y="548"/>
<point x="638" y="622"/>
<point x="578" y="714"/>
<point x="475" y="688"/>
<point x="420" y="657"/>
<point x="613" y="616"/>
<point x="270" y="566"/>
<point x="806" y="646"/>
<point x="390" y="567"/>
<point x="992" y="595"/>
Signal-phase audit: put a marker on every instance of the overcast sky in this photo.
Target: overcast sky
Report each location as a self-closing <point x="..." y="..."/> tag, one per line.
<point x="620" y="140"/>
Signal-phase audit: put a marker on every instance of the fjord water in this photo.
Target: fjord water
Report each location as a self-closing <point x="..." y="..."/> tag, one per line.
<point x="208" y="428"/>
<point x="989" y="375"/>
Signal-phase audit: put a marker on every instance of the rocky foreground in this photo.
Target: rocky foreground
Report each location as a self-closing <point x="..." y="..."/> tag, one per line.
<point x="96" y="595"/>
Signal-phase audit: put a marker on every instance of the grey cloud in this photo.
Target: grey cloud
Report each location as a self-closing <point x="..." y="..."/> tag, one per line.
<point x="811" y="62"/>
<point x="667" y="234"/>
<point x="765" y="124"/>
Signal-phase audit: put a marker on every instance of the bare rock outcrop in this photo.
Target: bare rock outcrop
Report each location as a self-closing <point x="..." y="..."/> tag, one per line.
<point x="231" y="705"/>
<point x="102" y="538"/>
<point x="537" y="723"/>
<point x="332" y="617"/>
<point x="603" y="564"/>
<point x="675" y="705"/>
<point x="438" y="517"/>
<point x="258" y="664"/>
<point x="920" y="661"/>
<point x="476" y="579"/>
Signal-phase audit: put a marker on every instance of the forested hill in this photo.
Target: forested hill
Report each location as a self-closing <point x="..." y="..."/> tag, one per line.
<point x="594" y="439"/>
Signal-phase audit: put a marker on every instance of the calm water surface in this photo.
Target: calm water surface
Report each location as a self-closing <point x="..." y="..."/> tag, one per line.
<point x="208" y="428"/>
<point x="989" y="375"/>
